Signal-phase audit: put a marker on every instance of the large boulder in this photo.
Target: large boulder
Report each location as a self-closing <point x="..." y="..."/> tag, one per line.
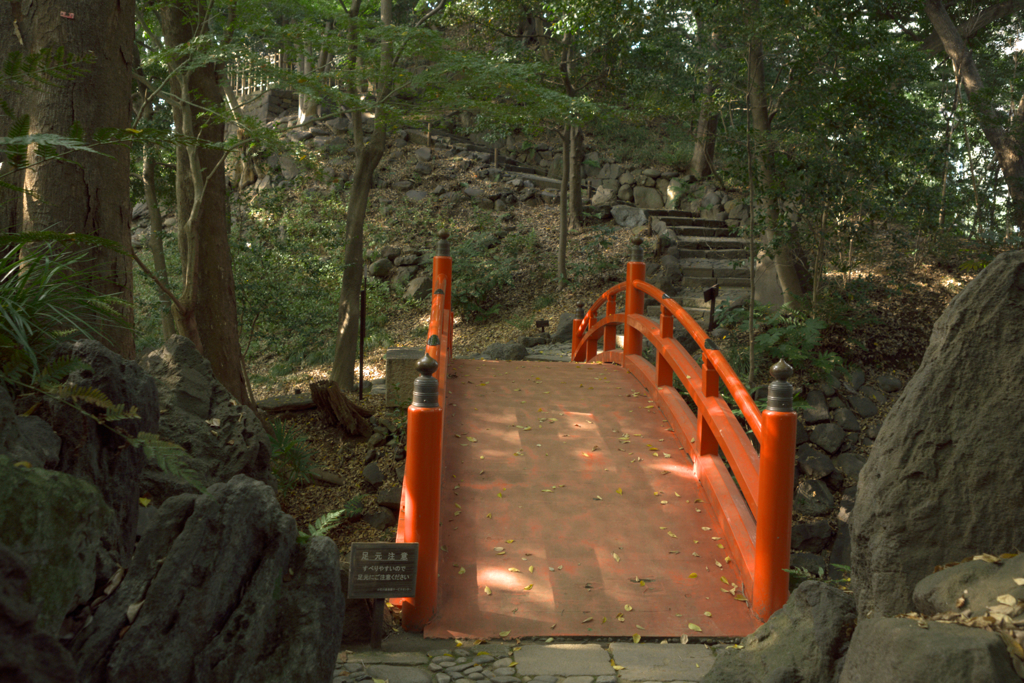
<point x="104" y="454"/>
<point x="974" y="586"/>
<point x="505" y="351"/>
<point x="26" y="438"/>
<point x="629" y="216"/>
<point x="939" y="485"/>
<point x="904" y="651"/>
<point x="57" y="524"/>
<point x="223" y="437"/>
<point x="803" y="641"/>
<point x="219" y="591"/>
<point x="563" y="328"/>
<point x="26" y="654"/>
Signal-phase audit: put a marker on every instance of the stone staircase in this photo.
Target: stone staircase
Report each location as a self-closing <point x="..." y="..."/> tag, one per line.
<point x="709" y="254"/>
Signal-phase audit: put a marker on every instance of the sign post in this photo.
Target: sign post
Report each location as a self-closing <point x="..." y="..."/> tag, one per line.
<point x="379" y="571"/>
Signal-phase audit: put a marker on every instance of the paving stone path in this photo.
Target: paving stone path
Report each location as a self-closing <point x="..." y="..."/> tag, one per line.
<point x="409" y="659"/>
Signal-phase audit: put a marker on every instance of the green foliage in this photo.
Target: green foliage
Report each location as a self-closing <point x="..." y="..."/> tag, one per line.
<point x="324" y="524"/>
<point x="45" y="299"/>
<point x="290" y="462"/>
<point x="780" y="333"/>
<point x="801" y="574"/>
<point x="169" y="457"/>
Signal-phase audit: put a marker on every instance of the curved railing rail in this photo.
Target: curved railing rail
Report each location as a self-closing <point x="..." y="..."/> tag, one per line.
<point x="754" y="502"/>
<point x="419" y="519"/>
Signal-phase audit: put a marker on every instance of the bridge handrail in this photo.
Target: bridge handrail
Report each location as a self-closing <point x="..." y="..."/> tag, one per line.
<point x="419" y="518"/>
<point x="765" y="480"/>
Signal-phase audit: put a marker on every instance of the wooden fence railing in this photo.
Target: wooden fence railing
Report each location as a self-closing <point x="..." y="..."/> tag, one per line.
<point x="420" y="513"/>
<point x="754" y="501"/>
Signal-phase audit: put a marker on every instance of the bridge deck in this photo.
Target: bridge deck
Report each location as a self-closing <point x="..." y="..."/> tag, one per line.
<point x="569" y="469"/>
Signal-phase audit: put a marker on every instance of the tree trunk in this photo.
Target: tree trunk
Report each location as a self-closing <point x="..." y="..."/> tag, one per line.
<point x="307" y="103"/>
<point x="563" y="209"/>
<point x="1004" y="132"/>
<point x="338" y="410"/>
<point x="209" y="315"/>
<point x="82" y="192"/>
<point x="156" y="241"/>
<point x="575" y="161"/>
<point x="346" y="344"/>
<point x="703" y="160"/>
<point x="784" y="262"/>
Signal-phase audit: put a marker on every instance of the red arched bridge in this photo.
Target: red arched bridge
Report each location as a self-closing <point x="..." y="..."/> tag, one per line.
<point x="592" y="498"/>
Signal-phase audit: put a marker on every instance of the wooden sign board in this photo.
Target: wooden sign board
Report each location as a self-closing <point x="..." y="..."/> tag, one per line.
<point x="382" y="570"/>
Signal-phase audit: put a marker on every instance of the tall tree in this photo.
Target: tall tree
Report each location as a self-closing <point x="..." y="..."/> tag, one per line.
<point x="369" y="156"/>
<point x="206" y="310"/>
<point x="1004" y="130"/>
<point x="80" y="192"/>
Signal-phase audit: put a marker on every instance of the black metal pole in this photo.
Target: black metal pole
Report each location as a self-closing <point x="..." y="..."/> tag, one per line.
<point x="362" y="333"/>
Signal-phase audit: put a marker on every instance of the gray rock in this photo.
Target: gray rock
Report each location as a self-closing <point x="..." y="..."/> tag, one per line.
<point x="289" y="168"/>
<point x="419" y="288"/>
<point x="197" y="413"/>
<point x="846" y="503"/>
<point x="27" y="654"/>
<point x="603" y="196"/>
<point x="872" y="431"/>
<point x="381" y="268"/>
<point x="811" y="537"/>
<point x="390" y="497"/>
<point x="802" y="436"/>
<point x="813" y="498"/>
<point x="91" y="452"/>
<point x="629" y="216"/>
<point x="800" y="642"/>
<point x="530" y="342"/>
<point x="828" y="437"/>
<point x="208" y="577"/>
<point x="938" y="477"/>
<point x="57" y="524"/>
<point x="27" y="438"/>
<point x="381" y="519"/>
<point x="856" y="379"/>
<point x="416" y="196"/>
<point x="403" y="185"/>
<point x="979" y="582"/>
<point x="505" y="351"/>
<point x="864" y="407"/>
<point x="423" y="168"/>
<point x="849" y="464"/>
<point x="889" y="383"/>
<point x="373" y="475"/>
<point x="840" y="556"/>
<point x="647" y="198"/>
<point x="424" y="154"/>
<point x="845" y="418"/>
<point x="900" y="651"/>
<point x="817" y="410"/>
<point x="563" y="329"/>
<point x="876" y="396"/>
<point x="813" y="463"/>
<point x="412" y="259"/>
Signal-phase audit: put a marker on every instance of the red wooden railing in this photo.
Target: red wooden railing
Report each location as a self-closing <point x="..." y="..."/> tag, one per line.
<point x="419" y="519"/>
<point x="755" y="509"/>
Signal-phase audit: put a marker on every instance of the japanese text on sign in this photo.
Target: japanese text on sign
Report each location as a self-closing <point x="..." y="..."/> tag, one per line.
<point x="382" y="570"/>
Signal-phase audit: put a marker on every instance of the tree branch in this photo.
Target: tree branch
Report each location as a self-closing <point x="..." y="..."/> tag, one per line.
<point x="968" y="29"/>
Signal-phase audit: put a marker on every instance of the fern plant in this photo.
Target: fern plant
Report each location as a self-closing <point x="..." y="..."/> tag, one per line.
<point x="291" y="463"/>
<point x="331" y="520"/>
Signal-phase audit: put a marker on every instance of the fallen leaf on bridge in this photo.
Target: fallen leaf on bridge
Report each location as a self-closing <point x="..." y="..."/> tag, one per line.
<point x="694" y="627"/>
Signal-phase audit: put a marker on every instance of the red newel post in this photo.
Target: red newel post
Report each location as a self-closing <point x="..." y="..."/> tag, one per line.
<point x="636" y="269"/>
<point x="443" y="278"/>
<point x="609" y="330"/>
<point x="775" y="495"/>
<point x="423" y="492"/>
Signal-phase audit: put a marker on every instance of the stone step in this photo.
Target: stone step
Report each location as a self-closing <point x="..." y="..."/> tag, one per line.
<point x="694" y="298"/>
<point x="710" y="242"/>
<point x="705" y="282"/>
<point x="720" y="254"/>
<point x="692" y="231"/>
<point x="694" y="222"/>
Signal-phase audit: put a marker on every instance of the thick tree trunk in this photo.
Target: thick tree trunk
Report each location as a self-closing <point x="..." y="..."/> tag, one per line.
<point x="1005" y="132"/>
<point x="784" y="262"/>
<point x="210" y="315"/>
<point x="82" y="192"/>
<point x="703" y="160"/>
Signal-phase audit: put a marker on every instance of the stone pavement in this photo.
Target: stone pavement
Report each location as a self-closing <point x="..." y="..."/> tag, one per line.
<point x="409" y="658"/>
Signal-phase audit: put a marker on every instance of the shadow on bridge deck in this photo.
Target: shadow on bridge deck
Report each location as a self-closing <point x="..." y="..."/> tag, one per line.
<point x="570" y="470"/>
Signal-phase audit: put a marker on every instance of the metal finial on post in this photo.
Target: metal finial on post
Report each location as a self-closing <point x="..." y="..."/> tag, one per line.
<point x="442" y="244"/>
<point x="424" y="387"/>
<point x="637" y="254"/>
<point x="780" y="392"/>
<point x="579" y="310"/>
